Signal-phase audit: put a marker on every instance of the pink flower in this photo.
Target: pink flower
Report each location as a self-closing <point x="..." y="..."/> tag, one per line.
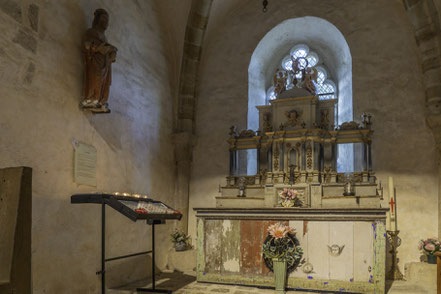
<point x="279" y="230"/>
<point x="429" y="247"/>
<point x="289" y="194"/>
<point x="292" y="194"/>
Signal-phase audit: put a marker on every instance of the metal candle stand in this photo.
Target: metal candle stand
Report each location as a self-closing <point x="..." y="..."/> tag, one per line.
<point x="154" y="218"/>
<point x="395" y="242"/>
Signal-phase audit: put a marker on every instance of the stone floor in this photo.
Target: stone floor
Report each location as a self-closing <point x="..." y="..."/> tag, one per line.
<point x="181" y="283"/>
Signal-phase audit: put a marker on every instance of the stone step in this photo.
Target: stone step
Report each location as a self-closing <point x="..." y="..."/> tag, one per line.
<point x="421" y="273"/>
<point x="405" y="287"/>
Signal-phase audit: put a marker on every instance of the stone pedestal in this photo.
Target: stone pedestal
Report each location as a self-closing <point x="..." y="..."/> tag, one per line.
<point x="183" y="261"/>
<point x="421" y="273"/>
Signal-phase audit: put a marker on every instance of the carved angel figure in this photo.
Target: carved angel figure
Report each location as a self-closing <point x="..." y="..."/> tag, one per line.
<point x="280" y="82"/>
<point x="335" y="250"/>
<point x="98" y="58"/>
<point x="293" y="118"/>
<point x="310" y="80"/>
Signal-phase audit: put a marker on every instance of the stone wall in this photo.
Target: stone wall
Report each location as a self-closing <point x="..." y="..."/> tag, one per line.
<point x="41" y="73"/>
<point x="387" y="82"/>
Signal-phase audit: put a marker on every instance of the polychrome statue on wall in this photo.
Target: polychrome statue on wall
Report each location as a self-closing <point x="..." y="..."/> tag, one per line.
<point x="98" y="57"/>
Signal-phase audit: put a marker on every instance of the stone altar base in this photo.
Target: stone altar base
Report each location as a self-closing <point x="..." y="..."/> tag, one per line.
<point x="230" y="242"/>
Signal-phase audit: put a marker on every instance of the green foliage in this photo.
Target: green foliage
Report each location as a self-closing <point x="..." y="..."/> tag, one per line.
<point x="282" y="249"/>
<point x="178" y="237"/>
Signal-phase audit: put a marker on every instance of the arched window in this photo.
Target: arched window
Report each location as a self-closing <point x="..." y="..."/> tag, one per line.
<point x="319" y="42"/>
<point x="326" y="88"/>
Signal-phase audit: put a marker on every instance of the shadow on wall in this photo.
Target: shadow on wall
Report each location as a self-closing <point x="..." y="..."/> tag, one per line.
<point x="110" y="127"/>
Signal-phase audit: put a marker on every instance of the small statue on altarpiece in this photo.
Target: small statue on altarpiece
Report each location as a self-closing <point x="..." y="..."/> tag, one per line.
<point x="98" y="57"/>
<point x="242" y="184"/>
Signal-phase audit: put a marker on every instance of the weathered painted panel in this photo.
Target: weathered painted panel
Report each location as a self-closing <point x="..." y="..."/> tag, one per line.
<point x="230" y="250"/>
<point x="341" y="267"/>
<point x="318" y="238"/>
<point x="363" y="250"/>
<point x="233" y="254"/>
<point x="300" y="228"/>
<point x="251" y="246"/>
<point x="379" y="275"/>
<point x="213" y="234"/>
<point x="200" y="234"/>
<point x="266" y="224"/>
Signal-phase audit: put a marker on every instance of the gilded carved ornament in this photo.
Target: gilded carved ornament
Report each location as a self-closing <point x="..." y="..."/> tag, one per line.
<point x="294" y="118"/>
<point x="309" y="156"/>
<point x="267" y="127"/>
<point x="247" y="134"/>
<point x="276" y="157"/>
<point x="324" y="119"/>
<point x="352" y="125"/>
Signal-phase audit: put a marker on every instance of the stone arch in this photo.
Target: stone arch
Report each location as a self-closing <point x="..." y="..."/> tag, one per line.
<point x="188" y="80"/>
<point x="425" y="19"/>
<point x="317" y="33"/>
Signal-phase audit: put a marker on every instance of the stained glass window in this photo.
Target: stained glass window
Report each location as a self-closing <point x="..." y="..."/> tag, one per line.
<point x="326" y="88"/>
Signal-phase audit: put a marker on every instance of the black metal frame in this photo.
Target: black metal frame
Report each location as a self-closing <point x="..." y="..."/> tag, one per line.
<point x="151" y="219"/>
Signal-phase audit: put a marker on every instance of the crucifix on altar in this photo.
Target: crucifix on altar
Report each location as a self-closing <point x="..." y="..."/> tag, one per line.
<point x="393" y="219"/>
<point x="392" y="233"/>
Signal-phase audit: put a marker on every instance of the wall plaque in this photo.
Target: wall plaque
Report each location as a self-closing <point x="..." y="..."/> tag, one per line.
<point x="84" y="164"/>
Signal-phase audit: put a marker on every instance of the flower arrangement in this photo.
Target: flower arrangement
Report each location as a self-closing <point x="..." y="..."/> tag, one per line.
<point x="429" y="246"/>
<point x="289" y="198"/>
<point x="282" y="244"/>
<point x="181" y="240"/>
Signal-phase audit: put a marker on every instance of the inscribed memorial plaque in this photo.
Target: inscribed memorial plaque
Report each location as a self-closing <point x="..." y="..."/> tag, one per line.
<point x="84" y="164"/>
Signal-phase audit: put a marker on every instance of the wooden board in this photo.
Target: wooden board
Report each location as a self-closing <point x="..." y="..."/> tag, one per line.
<point x="300" y="228"/>
<point x="213" y="257"/>
<point x="9" y="199"/>
<point x="230" y="250"/>
<point x="318" y="237"/>
<point x="342" y="267"/>
<point x="363" y="251"/>
<point x="16" y="185"/>
<point x="251" y="246"/>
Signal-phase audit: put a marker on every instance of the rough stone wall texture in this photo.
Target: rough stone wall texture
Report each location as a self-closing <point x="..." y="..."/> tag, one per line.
<point x="41" y="73"/>
<point x="387" y="82"/>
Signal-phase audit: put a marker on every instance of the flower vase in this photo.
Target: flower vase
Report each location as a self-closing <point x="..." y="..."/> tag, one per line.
<point x="431" y="259"/>
<point x="279" y="267"/>
<point x="180" y="246"/>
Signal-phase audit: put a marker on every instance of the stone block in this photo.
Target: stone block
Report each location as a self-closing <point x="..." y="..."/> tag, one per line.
<point x="26" y="40"/>
<point x="240" y="202"/>
<point x="11" y="8"/>
<point x="183" y="261"/>
<point x="421" y="273"/>
<point x="316" y="196"/>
